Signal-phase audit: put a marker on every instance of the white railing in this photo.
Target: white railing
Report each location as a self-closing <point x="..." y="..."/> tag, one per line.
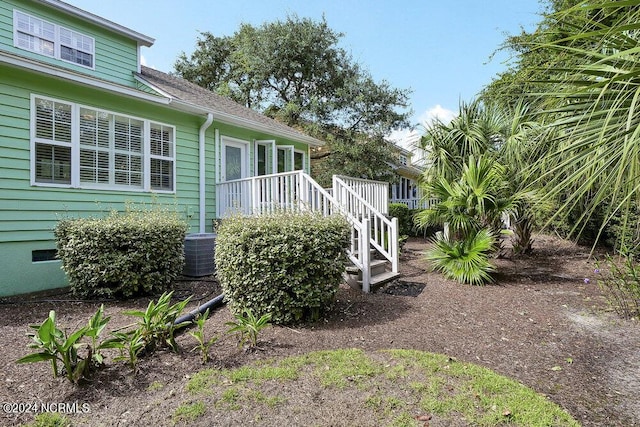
<point x="294" y="191"/>
<point x="383" y="231"/>
<point x="290" y="191"/>
<point x="416" y="202"/>
<point x="374" y="192"/>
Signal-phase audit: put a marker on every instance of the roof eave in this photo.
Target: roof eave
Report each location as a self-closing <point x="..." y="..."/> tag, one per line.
<point x="231" y="119"/>
<point x="104" y="23"/>
<point x="40" y="67"/>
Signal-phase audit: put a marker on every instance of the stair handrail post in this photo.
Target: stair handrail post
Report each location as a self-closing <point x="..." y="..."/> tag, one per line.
<point x="304" y="192"/>
<point x="395" y="245"/>
<point x="255" y="196"/>
<point x="364" y="246"/>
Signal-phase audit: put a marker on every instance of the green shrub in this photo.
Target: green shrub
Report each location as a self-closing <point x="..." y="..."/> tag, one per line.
<point x="620" y="283"/>
<point x="123" y="254"/>
<point x="405" y="218"/>
<point x="288" y="265"/>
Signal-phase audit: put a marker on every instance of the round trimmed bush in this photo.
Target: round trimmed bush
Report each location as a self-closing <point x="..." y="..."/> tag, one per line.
<point x="122" y="255"/>
<point x="286" y="264"/>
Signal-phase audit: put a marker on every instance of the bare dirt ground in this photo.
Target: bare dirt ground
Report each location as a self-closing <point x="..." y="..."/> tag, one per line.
<point x="540" y="324"/>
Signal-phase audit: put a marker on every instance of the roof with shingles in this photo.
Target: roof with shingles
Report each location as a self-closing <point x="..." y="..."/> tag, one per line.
<point x="223" y="109"/>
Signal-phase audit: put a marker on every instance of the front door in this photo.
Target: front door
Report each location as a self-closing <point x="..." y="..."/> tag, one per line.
<point x="234" y="155"/>
<point x="233" y="195"/>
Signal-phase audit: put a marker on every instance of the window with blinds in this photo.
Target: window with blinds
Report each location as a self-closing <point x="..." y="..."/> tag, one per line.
<point x="161" y="157"/>
<point x="45" y="38"/>
<point x="79" y="146"/>
<point x="52" y="142"/>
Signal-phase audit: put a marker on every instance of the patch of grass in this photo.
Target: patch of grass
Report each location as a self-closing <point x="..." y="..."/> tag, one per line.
<point x="155" y="386"/>
<point x="202" y="381"/>
<point x="259" y="397"/>
<point x="392" y="372"/>
<point x="481" y="396"/>
<point x="229" y="399"/>
<point x="405" y="420"/>
<point x="338" y="368"/>
<point x="391" y="385"/>
<point x="262" y="373"/>
<point x="374" y="401"/>
<point x="189" y="412"/>
<point x="48" y="419"/>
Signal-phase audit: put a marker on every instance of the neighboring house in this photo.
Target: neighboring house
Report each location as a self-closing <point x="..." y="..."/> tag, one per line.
<point x="406" y="189"/>
<point x="84" y="128"/>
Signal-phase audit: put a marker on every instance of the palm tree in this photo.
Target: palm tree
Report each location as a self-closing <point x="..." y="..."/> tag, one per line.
<point x="472" y="207"/>
<point x="482" y="129"/>
<point x="594" y="165"/>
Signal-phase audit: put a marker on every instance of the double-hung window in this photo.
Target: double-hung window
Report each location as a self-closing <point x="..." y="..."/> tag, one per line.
<point x="46" y="38"/>
<point x="80" y="146"/>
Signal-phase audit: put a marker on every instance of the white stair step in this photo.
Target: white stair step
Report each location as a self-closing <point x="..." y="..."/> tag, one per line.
<point x="385" y="277"/>
<point x="376" y="280"/>
<point x="377" y="266"/>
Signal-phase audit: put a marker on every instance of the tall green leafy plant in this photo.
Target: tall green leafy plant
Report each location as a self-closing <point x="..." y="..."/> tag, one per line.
<point x="203" y="343"/>
<point x="60" y="348"/>
<point x="466" y="260"/>
<point x="472" y="209"/>
<point x="247" y="326"/>
<point x="157" y="323"/>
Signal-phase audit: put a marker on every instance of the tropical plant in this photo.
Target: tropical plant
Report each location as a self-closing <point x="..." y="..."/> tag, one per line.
<point x="466" y="260"/>
<point x="585" y="63"/>
<point x="203" y="344"/>
<point x="57" y="346"/>
<point x="131" y="344"/>
<point x="157" y="323"/>
<point x="477" y="200"/>
<point x="95" y="326"/>
<point x="247" y="326"/>
<point x="475" y="203"/>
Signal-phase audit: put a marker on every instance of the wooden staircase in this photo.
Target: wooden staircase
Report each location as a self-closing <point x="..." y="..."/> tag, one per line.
<point x="380" y="274"/>
<point x="363" y="203"/>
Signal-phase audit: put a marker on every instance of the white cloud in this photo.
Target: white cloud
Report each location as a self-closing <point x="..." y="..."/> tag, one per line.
<point x="437" y="112"/>
<point x="405" y="137"/>
<point x="143" y="61"/>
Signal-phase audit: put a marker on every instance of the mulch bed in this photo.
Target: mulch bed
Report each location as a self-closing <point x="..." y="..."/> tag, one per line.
<point x="541" y="323"/>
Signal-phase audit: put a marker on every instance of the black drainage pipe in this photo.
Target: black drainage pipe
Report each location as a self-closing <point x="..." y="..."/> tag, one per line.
<point x="189" y="317"/>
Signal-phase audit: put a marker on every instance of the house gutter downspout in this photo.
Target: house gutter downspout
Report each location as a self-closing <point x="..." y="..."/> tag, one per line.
<point x="203" y="174"/>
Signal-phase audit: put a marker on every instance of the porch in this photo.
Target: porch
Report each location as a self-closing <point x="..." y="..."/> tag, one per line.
<point x="373" y="248"/>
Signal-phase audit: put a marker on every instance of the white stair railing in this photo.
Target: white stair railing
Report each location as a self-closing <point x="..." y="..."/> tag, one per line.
<point x="294" y="191"/>
<point x="384" y="231"/>
<point x="374" y="192"/>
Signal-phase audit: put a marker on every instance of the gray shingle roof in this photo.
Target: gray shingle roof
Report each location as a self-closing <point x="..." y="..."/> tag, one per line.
<point x="223" y="109"/>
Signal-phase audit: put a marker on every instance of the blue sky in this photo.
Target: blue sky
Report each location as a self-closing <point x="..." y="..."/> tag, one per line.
<point x="440" y="49"/>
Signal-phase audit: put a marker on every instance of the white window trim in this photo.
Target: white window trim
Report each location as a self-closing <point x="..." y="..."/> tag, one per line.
<point x="75" y="151"/>
<point x="269" y="144"/>
<point x="290" y="150"/>
<point x="234" y="142"/>
<point x="57" y="54"/>
<point x="304" y="159"/>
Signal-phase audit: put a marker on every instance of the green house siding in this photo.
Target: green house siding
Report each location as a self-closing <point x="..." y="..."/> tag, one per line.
<point x="28" y="213"/>
<point x="116" y="56"/>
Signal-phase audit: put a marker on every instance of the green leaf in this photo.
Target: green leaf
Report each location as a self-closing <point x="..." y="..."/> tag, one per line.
<point x="36" y="357"/>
